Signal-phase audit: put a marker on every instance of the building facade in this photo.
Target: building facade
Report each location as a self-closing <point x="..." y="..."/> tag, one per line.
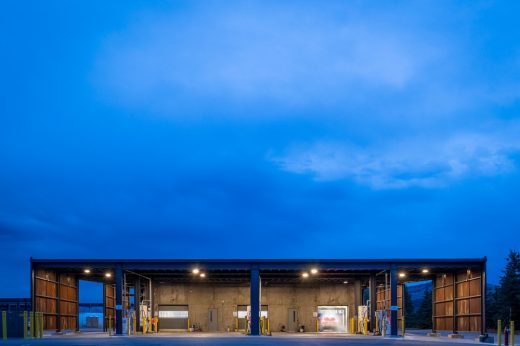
<point x="290" y="295"/>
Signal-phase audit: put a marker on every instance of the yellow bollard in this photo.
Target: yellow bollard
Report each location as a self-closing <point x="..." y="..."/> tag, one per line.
<point x="402" y="325"/>
<point x="135" y="324"/>
<point x="317" y="325"/>
<point x="4" y="325"/>
<point x="110" y="325"/>
<point x="25" y="324"/>
<point x="512" y="331"/>
<point x="499" y="332"/>
<point x="128" y="326"/>
<point x="352" y="325"/>
<point x="143" y="321"/>
<point x="377" y="325"/>
<point x="189" y="330"/>
<point x="268" y="327"/>
<point x="31" y="319"/>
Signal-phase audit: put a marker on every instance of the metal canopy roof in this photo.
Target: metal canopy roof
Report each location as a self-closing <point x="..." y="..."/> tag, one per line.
<point x="272" y="271"/>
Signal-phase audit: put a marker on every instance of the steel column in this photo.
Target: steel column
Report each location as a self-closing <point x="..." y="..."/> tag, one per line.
<point x="373" y="300"/>
<point x="119" y="300"/>
<point x="255" y="301"/>
<point x="393" y="301"/>
<point x="137" y="301"/>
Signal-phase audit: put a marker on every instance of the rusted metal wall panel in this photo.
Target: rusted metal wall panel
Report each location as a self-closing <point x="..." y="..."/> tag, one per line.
<point x="383" y="300"/>
<point x="109" y="301"/>
<point x="458" y="301"/>
<point x="68" y="294"/>
<point x="45" y="296"/>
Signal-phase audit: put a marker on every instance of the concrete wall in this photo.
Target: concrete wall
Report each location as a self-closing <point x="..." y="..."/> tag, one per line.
<point x="279" y="298"/>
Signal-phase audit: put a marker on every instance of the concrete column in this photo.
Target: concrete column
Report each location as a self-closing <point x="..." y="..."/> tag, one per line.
<point x="119" y="300"/>
<point x="373" y="300"/>
<point x="393" y="301"/>
<point x="255" y="301"/>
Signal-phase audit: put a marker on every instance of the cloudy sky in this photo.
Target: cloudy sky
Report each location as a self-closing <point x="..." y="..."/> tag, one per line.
<point x="258" y="129"/>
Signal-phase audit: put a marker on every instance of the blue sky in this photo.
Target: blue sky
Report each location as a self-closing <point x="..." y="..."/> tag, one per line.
<point x="258" y="129"/>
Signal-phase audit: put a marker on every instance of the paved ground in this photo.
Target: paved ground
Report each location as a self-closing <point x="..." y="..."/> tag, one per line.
<point x="236" y="339"/>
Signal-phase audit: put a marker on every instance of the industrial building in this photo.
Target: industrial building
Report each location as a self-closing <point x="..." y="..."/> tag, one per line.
<point x="233" y="295"/>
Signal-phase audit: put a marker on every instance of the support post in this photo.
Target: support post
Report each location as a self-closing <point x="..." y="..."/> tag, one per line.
<point x="119" y="300"/>
<point x="255" y="301"/>
<point x="137" y="300"/>
<point x="393" y="301"/>
<point x="373" y="301"/>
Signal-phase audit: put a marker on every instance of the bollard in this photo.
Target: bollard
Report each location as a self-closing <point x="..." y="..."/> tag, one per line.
<point x="25" y="324"/>
<point x="4" y="325"/>
<point x="268" y="327"/>
<point x="352" y="331"/>
<point x="110" y="325"/>
<point x="31" y="320"/>
<point x="512" y="331"/>
<point x="365" y="326"/>
<point x="402" y="325"/>
<point x="143" y="322"/>
<point x="317" y="325"/>
<point x="499" y="333"/>
<point x="135" y="324"/>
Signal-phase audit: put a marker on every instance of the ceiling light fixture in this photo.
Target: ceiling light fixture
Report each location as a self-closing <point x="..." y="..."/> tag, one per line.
<point x="305" y="275"/>
<point x="195" y="271"/>
<point x="86" y="271"/>
<point x="108" y="275"/>
<point x="314" y="271"/>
